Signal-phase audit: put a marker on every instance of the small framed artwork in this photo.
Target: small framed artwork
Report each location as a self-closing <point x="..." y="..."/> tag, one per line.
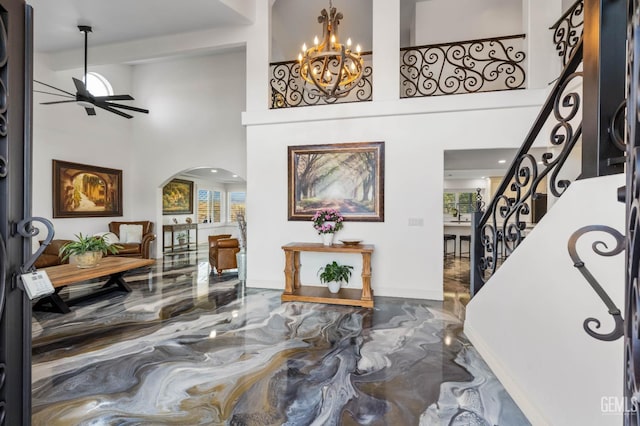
<point x="80" y="190"/>
<point x="348" y="177"/>
<point x="177" y="197"/>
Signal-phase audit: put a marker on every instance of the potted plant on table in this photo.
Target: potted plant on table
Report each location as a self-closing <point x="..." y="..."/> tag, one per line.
<point x="88" y="250"/>
<point x="182" y="238"/>
<point x="334" y="274"/>
<point x="326" y="222"/>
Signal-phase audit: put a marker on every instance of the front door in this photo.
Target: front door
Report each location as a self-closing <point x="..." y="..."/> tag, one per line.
<point x="15" y="194"/>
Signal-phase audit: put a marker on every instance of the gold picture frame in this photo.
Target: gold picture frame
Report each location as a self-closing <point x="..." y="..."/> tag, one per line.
<point x="346" y="176"/>
<point x="177" y="197"/>
<point x="81" y="190"/>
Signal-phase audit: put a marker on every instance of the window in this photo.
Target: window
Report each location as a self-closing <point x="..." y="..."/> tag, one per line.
<point x="236" y="205"/>
<point x="98" y="85"/>
<point x="209" y="206"/>
<point x="458" y="203"/>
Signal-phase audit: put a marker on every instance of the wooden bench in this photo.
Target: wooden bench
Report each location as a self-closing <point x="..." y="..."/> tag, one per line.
<point x="65" y="275"/>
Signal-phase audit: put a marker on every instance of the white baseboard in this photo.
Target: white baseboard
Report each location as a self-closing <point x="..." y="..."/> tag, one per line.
<point x="516" y="393"/>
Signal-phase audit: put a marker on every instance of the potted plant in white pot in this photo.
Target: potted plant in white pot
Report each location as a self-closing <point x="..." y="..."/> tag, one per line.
<point x="334" y="274"/>
<point x="88" y="250"/>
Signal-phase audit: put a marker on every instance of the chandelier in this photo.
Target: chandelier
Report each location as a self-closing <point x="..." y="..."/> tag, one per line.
<point x="329" y="68"/>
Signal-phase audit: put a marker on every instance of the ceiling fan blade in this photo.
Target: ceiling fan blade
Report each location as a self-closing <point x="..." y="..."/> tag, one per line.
<point x="57" y="102"/>
<point x="90" y="111"/>
<point x="82" y="91"/>
<point x="52" y="87"/>
<point x="54" y="94"/>
<point x="115" y="111"/>
<point x="114" y="98"/>
<point x="127" y="107"/>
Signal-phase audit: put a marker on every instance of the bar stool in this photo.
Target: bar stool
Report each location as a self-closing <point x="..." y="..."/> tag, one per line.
<point x="467" y="239"/>
<point x="449" y="237"/>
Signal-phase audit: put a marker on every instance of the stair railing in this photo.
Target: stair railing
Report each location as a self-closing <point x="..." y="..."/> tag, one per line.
<point x="568" y="30"/>
<point x="501" y="228"/>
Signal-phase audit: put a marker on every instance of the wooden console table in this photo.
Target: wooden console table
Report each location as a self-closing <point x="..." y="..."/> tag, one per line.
<point x="187" y="227"/>
<point x="294" y="291"/>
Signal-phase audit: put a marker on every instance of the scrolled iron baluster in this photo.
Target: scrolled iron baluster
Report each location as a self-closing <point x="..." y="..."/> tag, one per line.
<point x="26" y="229"/>
<point x="3" y="167"/>
<point x="461" y="67"/>
<point x="568" y="30"/>
<point x="614" y="311"/>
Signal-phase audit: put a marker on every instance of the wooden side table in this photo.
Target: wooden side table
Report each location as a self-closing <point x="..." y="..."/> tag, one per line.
<point x="294" y="291"/>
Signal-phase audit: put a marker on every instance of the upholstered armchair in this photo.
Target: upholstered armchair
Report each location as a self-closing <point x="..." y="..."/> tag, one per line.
<point x="134" y="243"/>
<point x="222" y="252"/>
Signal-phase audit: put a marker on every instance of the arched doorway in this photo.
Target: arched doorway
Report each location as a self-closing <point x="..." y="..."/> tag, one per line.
<point x="207" y="199"/>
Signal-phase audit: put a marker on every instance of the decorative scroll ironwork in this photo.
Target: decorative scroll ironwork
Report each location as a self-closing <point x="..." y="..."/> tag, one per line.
<point x="27" y="230"/>
<point x="287" y="87"/>
<point x="632" y="200"/>
<point x="614" y="311"/>
<point x="471" y="66"/>
<point x="4" y="161"/>
<point x="568" y="30"/>
<point x="501" y="228"/>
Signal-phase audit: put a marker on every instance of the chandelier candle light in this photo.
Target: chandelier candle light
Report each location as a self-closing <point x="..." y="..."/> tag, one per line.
<point x="330" y="69"/>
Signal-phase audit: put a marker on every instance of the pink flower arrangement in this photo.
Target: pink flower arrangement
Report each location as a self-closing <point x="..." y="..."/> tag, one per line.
<point x="327" y="221"/>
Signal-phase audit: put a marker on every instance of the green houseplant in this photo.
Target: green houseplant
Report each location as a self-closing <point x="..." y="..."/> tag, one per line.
<point x="333" y="274"/>
<point x="181" y="237"/>
<point x="88" y="250"/>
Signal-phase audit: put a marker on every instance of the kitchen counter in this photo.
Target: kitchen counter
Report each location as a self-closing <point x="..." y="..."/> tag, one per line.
<point x="466" y="224"/>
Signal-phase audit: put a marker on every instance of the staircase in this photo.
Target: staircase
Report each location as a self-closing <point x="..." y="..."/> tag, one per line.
<point x="527" y="322"/>
<point x="546" y="312"/>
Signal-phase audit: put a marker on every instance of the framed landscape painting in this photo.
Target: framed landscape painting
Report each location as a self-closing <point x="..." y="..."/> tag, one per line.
<point x="348" y="177"/>
<point x="177" y="197"/>
<point x="80" y="190"/>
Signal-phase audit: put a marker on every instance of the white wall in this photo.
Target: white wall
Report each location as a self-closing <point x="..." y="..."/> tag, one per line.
<point x="408" y="260"/>
<point x="195" y="106"/>
<point x="65" y="132"/>
<point x="439" y="21"/>
<point x="527" y="321"/>
<point x="194" y="121"/>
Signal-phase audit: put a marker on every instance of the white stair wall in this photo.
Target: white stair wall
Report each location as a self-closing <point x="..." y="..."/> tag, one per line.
<point x="527" y="321"/>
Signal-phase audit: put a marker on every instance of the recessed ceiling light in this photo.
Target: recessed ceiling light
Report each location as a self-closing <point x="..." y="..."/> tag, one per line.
<point x="540" y="162"/>
<point x="214" y="171"/>
<point x="502" y="161"/>
<point x="482" y="177"/>
<point x="235" y="176"/>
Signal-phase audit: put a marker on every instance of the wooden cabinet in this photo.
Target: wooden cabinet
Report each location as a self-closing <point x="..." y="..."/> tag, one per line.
<point x="191" y="240"/>
<point x="294" y="291"/>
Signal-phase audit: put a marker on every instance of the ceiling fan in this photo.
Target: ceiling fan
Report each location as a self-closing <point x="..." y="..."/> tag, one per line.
<point x="85" y="98"/>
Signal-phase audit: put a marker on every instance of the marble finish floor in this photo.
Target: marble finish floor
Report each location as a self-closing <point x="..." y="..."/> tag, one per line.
<point x="187" y="348"/>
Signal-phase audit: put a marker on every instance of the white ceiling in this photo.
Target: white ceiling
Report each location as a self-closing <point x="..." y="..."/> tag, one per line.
<point x="114" y="21"/>
<point x="220" y="176"/>
<point x="121" y="21"/>
<point x="478" y="163"/>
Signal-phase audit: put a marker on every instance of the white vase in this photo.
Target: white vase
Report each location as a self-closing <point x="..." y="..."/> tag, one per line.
<point x="334" y="286"/>
<point x="327" y="239"/>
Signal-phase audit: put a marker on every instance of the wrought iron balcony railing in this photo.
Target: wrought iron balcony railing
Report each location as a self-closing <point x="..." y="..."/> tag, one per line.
<point x="471" y="66"/>
<point x="287" y="86"/>
<point x="568" y="30"/>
